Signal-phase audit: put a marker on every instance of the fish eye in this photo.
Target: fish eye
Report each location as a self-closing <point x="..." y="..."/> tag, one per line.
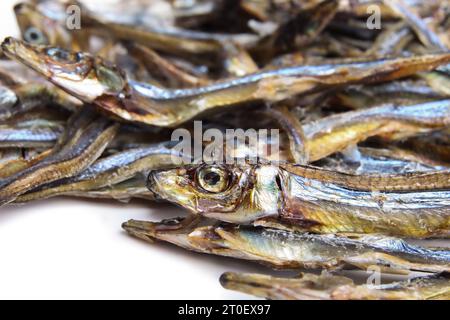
<point x="213" y="179"/>
<point x="63" y="56"/>
<point x="35" y="36"/>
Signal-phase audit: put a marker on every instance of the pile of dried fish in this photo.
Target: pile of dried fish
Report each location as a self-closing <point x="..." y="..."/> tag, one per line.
<point x="91" y="94"/>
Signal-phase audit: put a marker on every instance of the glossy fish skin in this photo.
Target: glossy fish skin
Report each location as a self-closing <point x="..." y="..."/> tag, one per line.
<point x="107" y="172"/>
<point x="331" y="287"/>
<point x="23" y="98"/>
<point x="126" y="191"/>
<point x="409" y="205"/>
<point x="43" y="136"/>
<point x="376" y="160"/>
<point x="82" y="143"/>
<point x="94" y="81"/>
<point x="21" y="162"/>
<point x="291" y="250"/>
<point x="335" y="133"/>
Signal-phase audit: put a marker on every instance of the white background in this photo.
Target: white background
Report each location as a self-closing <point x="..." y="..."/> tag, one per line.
<point x="66" y="248"/>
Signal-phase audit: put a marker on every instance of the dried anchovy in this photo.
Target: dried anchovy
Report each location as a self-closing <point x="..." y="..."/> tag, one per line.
<point x="290" y="250"/>
<point x="108" y="171"/>
<point x="331" y="287"/>
<point x="85" y="139"/>
<point x="335" y="133"/>
<point x="94" y="81"/>
<point x="314" y="199"/>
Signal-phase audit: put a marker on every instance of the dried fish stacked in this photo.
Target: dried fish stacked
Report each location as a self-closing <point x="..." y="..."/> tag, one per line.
<point x="364" y="106"/>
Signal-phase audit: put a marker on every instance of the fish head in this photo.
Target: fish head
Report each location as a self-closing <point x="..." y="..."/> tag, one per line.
<point x="193" y="233"/>
<point x="40" y="29"/>
<point x="80" y="74"/>
<point x="230" y="193"/>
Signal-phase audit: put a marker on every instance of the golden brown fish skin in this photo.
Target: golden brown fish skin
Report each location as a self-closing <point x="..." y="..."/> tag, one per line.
<point x="332" y="287"/>
<point x="408" y="205"/>
<point x="83" y="142"/>
<point x="287" y="249"/>
<point x="12" y="167"/>
<point x="337" y="132"/>
<point x="94" y="81"/>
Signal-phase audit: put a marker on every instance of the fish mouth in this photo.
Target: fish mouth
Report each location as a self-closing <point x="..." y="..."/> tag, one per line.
<point x="22" y="8"/>
<point x="140" y="229"/>
<point x="25" y="53"/>
<point x="235" y="281"/>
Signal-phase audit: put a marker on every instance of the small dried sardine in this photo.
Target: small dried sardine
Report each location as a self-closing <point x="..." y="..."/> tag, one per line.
<point x="94" y="81"/>
<point x="330" y="287"/>
<point x="82" y="143"/>
<point x="169" y="39"/>
<point x="107" y="172"/>
<point x="335" y="133"/>
<point x="410" y="205"/>
<point x="424" y="33"/>
<point x="291" y="250"/>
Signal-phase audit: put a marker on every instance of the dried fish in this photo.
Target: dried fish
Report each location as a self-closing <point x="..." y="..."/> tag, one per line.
<point x="363" y="160"/>
<point x="93" y="81"/>
<point x="107" y="172"/>
<point x="358" y="91"/>
<point x="409" y="205"/>
<point x="134" y="188"/>
<point x="290" y="250"/>
<point x="331" y="287"/>
<point x="25" y="97"/>
<point x="337" y="132"/>
<point x="82" y="143"/>
<point x="426" y="36"/>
